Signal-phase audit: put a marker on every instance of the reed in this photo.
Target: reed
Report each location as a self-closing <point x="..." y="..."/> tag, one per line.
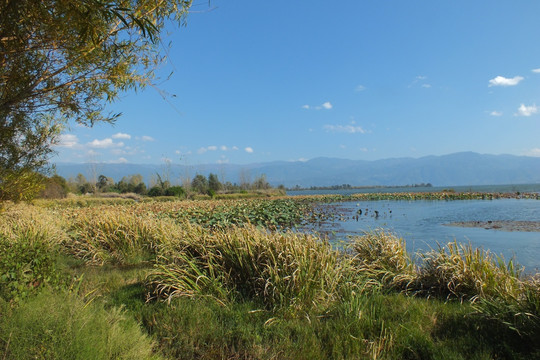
<point x="461" y="271"/>
<point x="279" y="270"/>
<point x="116" y="235"/>
<point x="381" y="258"/>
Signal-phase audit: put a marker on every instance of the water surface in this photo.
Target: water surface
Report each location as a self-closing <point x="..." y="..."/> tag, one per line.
<point x="422" y="224"/>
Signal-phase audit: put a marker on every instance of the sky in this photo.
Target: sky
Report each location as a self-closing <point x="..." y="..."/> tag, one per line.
<point x="259" y="81"/>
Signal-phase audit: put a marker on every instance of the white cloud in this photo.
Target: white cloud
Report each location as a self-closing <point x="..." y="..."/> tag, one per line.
<point x="533" y="152"/>
<point x="359" y="88"/>
<point x="68" y="140"/>
<point x="502" y="81"/>
<point x="496" y="113"/>
<point x="102" y="144"/>
<point x="147" y="138"/>
<point x="527" y="110"/>
<point x="327" y="105"/>
<point x="235" y="148"/>
<point x="249" y="150"/>
<point x="536" y="71"/>
<point x="345" y="128"/>
<point x="121" y="160"/>
<point x="223" y="148"/>
<point x="121" y="136"/>
<point x="208" y="148"/>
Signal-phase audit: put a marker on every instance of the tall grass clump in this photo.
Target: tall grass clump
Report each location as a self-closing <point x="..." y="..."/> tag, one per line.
<point x="29" y="244"/>
<point x="277" y="270"/>
<point x="461" y="271"/>
<point x="63" y="326"/>
<point x="381" y="259"/>
<point x="518" y="311"/>
<point x="115" y="235"/>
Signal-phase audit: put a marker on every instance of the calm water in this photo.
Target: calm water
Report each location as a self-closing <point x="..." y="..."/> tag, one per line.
<point x="421" y="224"/>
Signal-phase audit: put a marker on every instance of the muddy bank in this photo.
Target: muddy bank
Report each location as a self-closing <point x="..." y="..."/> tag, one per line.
<point x="506" y="225"/>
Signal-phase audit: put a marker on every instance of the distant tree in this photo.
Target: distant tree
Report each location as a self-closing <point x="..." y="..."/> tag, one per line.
<point x="260" y="183"/>
<point x="200" y="184"/>
<point x="104" y="183"/>
<point x="213" y="183"/>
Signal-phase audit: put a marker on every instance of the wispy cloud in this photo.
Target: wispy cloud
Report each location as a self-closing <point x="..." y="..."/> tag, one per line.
<point x="104" y="144"/>
<point x="68" y="141"/>
<point x="496" y="113"/>
<point x="147" y="138"/>
<point x="502" y="81"/>
<point x="350" y="129"/>
<point x="249" y="150"/>
<point x="537" y="71"/>
<point x="324" y="106"/>
<point x="420" y="79"/>
<point x="533" y="152"/>
<point x="121" y="136"/>
<point x="527" y="110"/>
<point x="359" y="88"/>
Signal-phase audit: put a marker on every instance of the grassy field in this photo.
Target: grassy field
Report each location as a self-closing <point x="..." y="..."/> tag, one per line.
<point x="229" y="279"/>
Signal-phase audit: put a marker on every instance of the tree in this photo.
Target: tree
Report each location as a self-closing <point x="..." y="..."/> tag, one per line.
<point x="62" y="60"/>
<point x="200" y="184"/>
<point x="104" y="183"/>
<point x="213" y="183"/>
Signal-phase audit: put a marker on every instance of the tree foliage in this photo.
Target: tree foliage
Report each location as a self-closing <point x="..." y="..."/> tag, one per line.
<point x="63" y="60"/>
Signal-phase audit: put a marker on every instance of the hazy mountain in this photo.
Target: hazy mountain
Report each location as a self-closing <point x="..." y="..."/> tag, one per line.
<point x="465" y="168"/>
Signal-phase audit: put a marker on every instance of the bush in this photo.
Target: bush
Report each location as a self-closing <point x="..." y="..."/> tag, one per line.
<point x="25" y="267"/>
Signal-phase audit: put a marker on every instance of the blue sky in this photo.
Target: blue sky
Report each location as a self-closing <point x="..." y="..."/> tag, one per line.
<point x="257" y="81"/>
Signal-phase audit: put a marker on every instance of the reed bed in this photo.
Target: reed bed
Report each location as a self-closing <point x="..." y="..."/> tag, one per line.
<point x="116" y="235"/>
<point x="279" y="270"/>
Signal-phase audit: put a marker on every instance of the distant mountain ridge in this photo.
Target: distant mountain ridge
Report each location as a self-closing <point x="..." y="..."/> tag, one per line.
<point x="464" y="168"/>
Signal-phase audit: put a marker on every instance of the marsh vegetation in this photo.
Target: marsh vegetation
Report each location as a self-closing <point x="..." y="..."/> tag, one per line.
<point x="230" y="279"/>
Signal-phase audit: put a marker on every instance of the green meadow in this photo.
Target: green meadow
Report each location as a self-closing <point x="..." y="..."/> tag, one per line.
<point x="94" y="278"/>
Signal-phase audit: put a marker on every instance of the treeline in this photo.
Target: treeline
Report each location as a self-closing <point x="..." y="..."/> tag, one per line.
<point x="58" y="187"/>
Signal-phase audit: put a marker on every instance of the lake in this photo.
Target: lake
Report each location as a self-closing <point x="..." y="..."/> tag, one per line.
<point x="422" y="223"/>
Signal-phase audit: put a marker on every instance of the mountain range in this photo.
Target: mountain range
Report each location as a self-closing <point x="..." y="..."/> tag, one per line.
<point x="465" y="168"/>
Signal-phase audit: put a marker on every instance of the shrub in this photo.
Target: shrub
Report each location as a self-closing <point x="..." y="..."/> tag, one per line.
<point x="29" y="241"/>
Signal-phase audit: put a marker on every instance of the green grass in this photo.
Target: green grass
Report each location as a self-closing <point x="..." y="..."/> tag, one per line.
<point x="63" y="326"/>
